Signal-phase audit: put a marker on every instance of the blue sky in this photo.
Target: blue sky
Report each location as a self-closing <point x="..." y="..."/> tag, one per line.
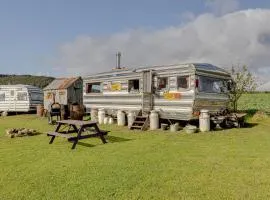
<point x="32" y="31"/>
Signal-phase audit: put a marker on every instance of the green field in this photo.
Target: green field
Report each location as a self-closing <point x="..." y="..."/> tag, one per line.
<point x="230" y="164"/>
<point x="256" y="101"/>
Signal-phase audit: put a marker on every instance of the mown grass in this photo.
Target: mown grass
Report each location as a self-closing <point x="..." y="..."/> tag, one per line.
<point x="254" y="101"/>
<point x="230" y="164"/>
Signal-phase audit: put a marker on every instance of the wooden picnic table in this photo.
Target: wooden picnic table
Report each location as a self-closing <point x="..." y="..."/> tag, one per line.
<point x="78" y="133"/>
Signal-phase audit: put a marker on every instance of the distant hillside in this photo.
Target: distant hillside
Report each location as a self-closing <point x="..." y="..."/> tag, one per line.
<point x="39" y="81"/>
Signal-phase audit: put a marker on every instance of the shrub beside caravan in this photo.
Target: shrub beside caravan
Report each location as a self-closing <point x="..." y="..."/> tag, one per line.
<point x="176" y="92"/>
<point x="20" y="98"/>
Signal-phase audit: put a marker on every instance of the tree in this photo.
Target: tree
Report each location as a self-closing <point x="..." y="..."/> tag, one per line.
<point x="39" y="81"/>
<point x="242" y="81"/>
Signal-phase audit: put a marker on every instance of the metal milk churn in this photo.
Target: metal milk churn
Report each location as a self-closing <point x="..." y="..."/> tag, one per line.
<point x="131" y="118"/>
<point x="154" y="120"/>
<point x="110" y="120"/>
<point x="121" y="118"/>
<point x="204" y="121"/>
<point x="101" y="116"/>
<point x="94" y="114"/>
<point x="106" y="120"/>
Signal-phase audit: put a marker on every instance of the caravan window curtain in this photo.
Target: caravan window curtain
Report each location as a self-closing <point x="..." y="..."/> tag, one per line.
<point x="2" y="96"/>
<point x="22" y="96"/>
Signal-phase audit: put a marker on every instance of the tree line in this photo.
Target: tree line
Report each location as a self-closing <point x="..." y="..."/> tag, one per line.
<point x="38" y="81"/>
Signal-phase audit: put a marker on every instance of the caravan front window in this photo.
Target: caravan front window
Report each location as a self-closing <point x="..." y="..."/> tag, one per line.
<point x="36" y="96"/>
<point x="93" y="88"/>
<point x="2" y="96"/>
<point x="22" y="96"/>
<point x="212" y="85"/>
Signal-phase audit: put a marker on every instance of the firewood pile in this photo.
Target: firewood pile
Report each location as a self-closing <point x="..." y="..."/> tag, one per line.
<point x="20" y="132"/>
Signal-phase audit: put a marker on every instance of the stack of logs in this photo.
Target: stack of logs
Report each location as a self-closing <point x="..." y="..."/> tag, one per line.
<point x="20" y="132"/>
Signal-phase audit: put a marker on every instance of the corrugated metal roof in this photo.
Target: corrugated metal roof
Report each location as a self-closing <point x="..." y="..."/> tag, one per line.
<point x="61" y="83"/>
<point x="207" y="66"/>
<point x="200" y="66"/>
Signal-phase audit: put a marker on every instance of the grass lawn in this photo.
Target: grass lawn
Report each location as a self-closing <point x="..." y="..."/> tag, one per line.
<point x="255" y="101"/>
<point x="230" y="164"/>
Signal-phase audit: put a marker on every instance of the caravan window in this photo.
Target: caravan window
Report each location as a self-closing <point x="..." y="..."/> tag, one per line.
<point x="36" y="96"/>
<point x="12" y="93"/>
<point x="212" y="85"/>
<point x="22" y="96"/>
<point x="134" y="85"/>
<point x="163" y="83"/>
<point x="2" y="96"/>
<point x="182" y="82"/>
<point x="93" y="88"/>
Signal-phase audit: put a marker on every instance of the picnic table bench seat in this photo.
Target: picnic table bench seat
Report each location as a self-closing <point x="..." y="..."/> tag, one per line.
<point x="70" y="135"/>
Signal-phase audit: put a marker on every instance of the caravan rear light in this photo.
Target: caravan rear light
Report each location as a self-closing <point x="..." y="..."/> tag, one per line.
<point x="196" y="83"/>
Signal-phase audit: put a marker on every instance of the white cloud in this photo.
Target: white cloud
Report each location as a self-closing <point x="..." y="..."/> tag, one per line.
<point x="187" y="16"/>
<point x="221" y="7"/>
<point x="239" y="37"/>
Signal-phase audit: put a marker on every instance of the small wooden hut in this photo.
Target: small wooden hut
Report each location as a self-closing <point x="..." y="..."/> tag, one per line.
<point x="64" y="91"/>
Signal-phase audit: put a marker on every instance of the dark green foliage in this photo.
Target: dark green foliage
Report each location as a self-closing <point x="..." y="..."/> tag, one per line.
<point x="39" y="81"/>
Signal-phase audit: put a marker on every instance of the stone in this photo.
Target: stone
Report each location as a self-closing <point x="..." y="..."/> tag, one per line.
<point x="9" y="131"/>
<point x="19" y="134"/>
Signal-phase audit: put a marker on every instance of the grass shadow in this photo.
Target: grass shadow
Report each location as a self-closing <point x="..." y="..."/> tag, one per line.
<point x="114" y="139"/>
<point x="249" y="125"/>
<point x="36" y="133"/>
<point x="109" y="138"/>
<point x="83" y="144"/>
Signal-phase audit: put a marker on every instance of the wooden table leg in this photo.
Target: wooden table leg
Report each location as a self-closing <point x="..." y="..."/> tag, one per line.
<point x="102" y="138"/>
<point x="78" y="136"/>
<point x="52" y="139"/>
<point x="100" y="134"/>
<point x="75" y="128"/>
<point x="56" y="130"/>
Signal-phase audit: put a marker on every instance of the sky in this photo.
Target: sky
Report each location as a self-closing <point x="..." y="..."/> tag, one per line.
<point x="70" y="38"/>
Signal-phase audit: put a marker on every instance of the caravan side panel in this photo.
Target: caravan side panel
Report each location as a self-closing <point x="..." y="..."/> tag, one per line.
<point x="10" y="102"/>
<point x="180" y="107"/>
<point x="175" y="105"/>
<point x="7" y="95"/>
<point x="114" y="95"/>
<point x="112" y="103"/>
<point x="16" y="98"/>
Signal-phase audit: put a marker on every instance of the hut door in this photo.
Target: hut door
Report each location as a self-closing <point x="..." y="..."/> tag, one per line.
<point x="147" y="100"/>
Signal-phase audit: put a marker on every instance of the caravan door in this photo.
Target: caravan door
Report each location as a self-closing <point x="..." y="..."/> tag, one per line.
<point x="147" y="96"/>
